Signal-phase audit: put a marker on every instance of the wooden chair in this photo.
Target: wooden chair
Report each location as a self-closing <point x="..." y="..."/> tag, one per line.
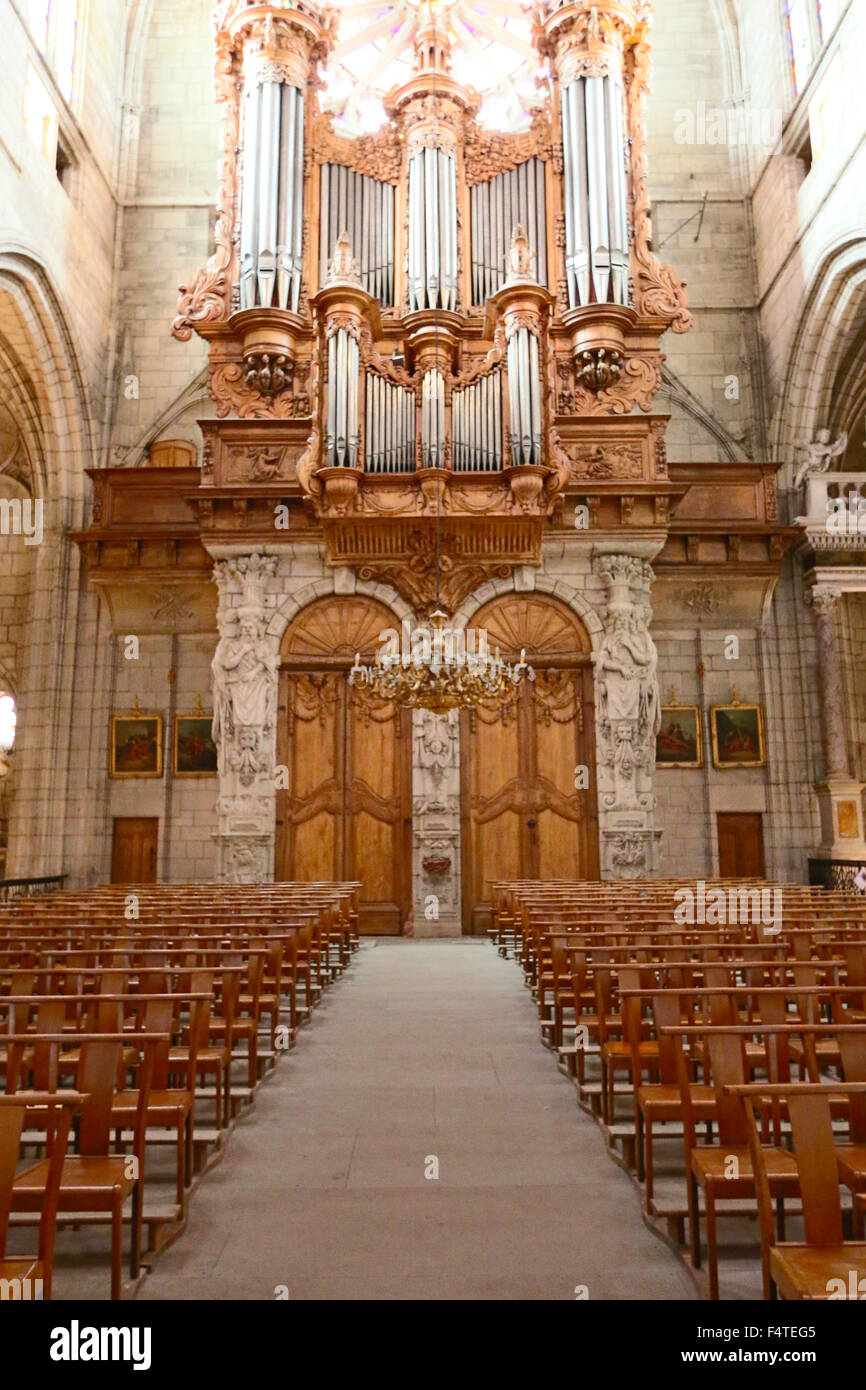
<point x="95" y="1180"/>
<point x="825" y="1265"/>
<point x="56" y="1110"/>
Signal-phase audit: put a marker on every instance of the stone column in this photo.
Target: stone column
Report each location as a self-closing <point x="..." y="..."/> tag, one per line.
<point x="628" y="714"/>
<point x="436" y="884"/>
<point x="245" y="685"/>
<point x="840" y="797"/>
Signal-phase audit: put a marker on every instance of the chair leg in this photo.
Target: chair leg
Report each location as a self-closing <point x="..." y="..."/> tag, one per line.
<point x="137" y="1218"/>
<point x="712" y="1242"/>
<point x="694" y="1221"/>
<point x="116" y="1247"/>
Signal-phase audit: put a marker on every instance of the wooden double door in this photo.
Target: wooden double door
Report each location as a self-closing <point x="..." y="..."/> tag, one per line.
<point x="527" y="765"/>
<point x="346" y="813"/>
<point x="528" y="782"/>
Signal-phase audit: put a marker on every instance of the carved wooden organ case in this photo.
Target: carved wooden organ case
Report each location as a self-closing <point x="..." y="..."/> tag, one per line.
<point x="436" y="324"/>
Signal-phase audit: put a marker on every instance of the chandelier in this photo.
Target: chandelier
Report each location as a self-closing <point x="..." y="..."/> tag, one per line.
<point x="440" y="674"/>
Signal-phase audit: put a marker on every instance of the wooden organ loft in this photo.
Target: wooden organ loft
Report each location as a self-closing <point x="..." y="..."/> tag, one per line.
<point x="438" y="337"/>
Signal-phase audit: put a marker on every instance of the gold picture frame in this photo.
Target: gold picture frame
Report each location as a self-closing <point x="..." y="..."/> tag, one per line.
<point x="194" y="752"/>
<point x="679" y="741"/>
<point x="738" y="736"/>
<point x="136" y="745"/>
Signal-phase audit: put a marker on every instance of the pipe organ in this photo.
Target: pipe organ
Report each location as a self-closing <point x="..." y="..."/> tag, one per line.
<point x="390" y="416"/>
<point x="363" y="207"/>
<point x="435" y="319"/>
<point x="342" y="431"/>
<point x="596" y="220"/>
<point x="477" y="426"/>
<point x="514" y="198"/>
<point x="433" y="263"/>
<point x="273" y="195"/>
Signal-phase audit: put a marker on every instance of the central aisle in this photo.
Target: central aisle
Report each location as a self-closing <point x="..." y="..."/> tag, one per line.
<point x="423" y="1049"/>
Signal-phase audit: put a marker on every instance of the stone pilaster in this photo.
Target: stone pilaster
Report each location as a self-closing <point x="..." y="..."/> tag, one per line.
<point x="245" y="684"/>
<point x="628" y="712"/>
<point x="436" y="886"/>
<point x="840" y="797"/>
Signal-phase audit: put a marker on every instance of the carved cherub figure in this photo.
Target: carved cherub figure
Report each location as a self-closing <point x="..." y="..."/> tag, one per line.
<point x="817" y="456"/>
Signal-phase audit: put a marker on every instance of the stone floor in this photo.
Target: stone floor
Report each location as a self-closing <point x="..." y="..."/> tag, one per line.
<point x="424" y="1050"/>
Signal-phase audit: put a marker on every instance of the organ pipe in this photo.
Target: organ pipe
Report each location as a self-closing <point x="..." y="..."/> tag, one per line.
<point x="432" y="229"/>
<point x="476" y="426"/>
<point x="272" y="202"/>
<point x="596" y="218"/>
<point x="364" y="207"/>
<point x="343" y="375"/>
<point x="433" y="420"/>
<point x="524" y="391"/>
<point x="390" y="426"/>
<point x="511" y="199"/>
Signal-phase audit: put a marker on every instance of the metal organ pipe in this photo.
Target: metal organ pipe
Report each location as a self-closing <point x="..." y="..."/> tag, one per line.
<point x="524" y="390"/>
<point x="476" y="426"/>
<point x="272" y="202"/>
<point x="596" y="204"/>
<point x="432" y="229"/>
<point x="513" y="198"/>
<point x="433" y="420"/>
<point x="390" y="426"/>
<point x="363" y="207"/>
<point x="343" y="376"/>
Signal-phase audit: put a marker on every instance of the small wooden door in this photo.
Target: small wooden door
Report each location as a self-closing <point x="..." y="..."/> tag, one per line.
<point x="133" y="856"/>
<point x="346" y="813"/>
<point x="741" y="844"/>
<point x="526" y="812"/>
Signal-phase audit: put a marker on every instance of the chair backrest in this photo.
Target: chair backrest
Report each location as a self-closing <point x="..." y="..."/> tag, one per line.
<point x="97" y="1074"/>
<point x="11" y="1126"/>
<point x="852" y="1049"/>
<point x="812" y="1130"/>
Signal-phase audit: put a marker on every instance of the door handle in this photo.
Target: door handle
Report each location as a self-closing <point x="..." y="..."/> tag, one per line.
<point x="532" y="824"/>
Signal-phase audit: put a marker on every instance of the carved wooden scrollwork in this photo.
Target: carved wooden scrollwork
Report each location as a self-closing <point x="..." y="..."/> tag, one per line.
<point x="487" y="153"/>
<point x="658" y="289"/>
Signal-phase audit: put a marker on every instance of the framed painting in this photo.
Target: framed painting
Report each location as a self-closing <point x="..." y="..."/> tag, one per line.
<point x="195" y="753"/>
<point x="678" y="742"/>
<point x="136" y="745"/>
<point x="738" y="736"/>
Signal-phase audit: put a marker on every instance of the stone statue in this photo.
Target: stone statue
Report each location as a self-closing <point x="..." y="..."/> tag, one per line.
<point x="519" y="260"/>
<point x="245" y="688"/>
<point x="627" y="672"/>
<point x="817" y="456"/>
<point x="343" y="266"/>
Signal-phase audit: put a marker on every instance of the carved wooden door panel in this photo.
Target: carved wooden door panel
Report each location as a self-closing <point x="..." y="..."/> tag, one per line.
<point x="346" y="813"/>
<point x="523" y="816"/>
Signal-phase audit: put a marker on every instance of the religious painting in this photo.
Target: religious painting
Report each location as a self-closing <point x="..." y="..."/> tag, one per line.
<point x="738" y="736"/>
<point x="136" y="745"/>
<point x="678" y="742"/>
<point x="195" y="753"/>
<point x="848" y="820"/>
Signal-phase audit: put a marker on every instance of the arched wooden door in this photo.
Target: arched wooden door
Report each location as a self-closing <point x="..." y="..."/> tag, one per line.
<point x="522" y="812"/>
<point x="347" y="811"/>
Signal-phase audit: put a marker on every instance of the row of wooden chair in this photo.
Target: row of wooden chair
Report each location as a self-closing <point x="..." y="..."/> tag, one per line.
<point x="134" y="1029"/>
<point x="712" y="1033"/>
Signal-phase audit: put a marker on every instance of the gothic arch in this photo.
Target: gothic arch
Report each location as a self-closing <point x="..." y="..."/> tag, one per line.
<point x="42" y="372"/>
<point x="834" y="305"/>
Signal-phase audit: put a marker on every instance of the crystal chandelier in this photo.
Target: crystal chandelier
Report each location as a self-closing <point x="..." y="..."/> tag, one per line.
<point x="439" y="673"/>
